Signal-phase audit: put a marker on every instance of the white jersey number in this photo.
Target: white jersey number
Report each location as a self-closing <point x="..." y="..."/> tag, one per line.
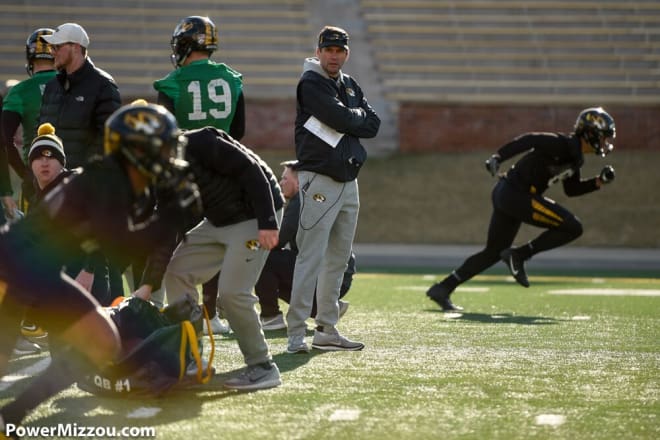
<point x="218" y="91"/>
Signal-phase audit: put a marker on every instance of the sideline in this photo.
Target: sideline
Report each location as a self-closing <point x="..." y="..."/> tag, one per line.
<point x="450" y="256"/>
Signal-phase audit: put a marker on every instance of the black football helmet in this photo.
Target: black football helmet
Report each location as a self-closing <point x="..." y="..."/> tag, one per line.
<point x="596" y="126"/>
<point x="37" y="49"/>
<point x="148" y="137"/>
<point x="193" y="33"/>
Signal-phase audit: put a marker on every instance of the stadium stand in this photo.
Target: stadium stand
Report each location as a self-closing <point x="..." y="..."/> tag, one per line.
<point x="517" y="51"/>
<point x="263" y="39"/>
<point x="468" y="60"/>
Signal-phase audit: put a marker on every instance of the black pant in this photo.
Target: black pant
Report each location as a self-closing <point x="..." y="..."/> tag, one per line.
<point x="276" y="281"/>
<point x="512" y="207"/>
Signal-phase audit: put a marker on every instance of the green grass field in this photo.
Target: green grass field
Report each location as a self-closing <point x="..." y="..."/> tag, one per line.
<point x="572" y="357"/>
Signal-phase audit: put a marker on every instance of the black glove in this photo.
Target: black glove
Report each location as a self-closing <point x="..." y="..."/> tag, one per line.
<point x="607" y="174"/>
<point x="493" y="164"/>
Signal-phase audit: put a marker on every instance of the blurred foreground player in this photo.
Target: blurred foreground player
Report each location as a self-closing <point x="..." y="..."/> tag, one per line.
<point x="108" y="207"/>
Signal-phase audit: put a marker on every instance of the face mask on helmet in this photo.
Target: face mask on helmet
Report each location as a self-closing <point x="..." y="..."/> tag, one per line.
<point x="147" y="136"/>
<point x="37" y="49"/>
<point x="596" y="126"/>
<point x="193" y="33"/>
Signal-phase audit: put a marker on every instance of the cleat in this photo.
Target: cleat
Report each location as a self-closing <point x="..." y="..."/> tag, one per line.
<point x="256" y="377"/>
<point x="25" y="347"/>
<point x="516" y="266"/>
<point x="217" y="326"/>
<point x="440" y="294"/>
<point x="32" y="330"/>
<point x="297" y="345"/>
<point x="192" y="368"/>
<point x="273" y="322"/>
<point x="333" y="341"/>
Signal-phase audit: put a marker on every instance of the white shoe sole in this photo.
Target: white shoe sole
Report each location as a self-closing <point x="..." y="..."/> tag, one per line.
<point x="337" y="347"/>
<point x="298" y="350"/>
<point x="255" y="386"/>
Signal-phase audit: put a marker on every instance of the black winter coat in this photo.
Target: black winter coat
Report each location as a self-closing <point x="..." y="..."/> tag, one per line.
<point x="342" y="106"/>
<point x="235" y="184"/>
<point x="78" y="106"/>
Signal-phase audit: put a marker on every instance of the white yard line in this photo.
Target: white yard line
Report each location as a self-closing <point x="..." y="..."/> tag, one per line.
<point x="607" y="292"/>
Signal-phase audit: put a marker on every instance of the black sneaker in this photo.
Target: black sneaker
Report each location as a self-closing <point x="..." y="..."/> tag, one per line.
<point x="440" y="294"/>
<point x="516" y="266"/>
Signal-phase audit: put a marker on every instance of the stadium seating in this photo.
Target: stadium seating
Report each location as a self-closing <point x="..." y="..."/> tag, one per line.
<point x="409" y="54"/>
<point x="516" y="51"/>
<point x="263" y="39"/>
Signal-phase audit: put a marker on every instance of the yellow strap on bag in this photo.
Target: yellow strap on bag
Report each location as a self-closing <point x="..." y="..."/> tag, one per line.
<point x="182" y="352"/>
<point x="189" y="338"/>
<point x="207" y="321"/>
<point x="194" y="350"/>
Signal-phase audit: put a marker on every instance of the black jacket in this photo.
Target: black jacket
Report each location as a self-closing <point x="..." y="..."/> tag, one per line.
<point x="235" y="184"/>
<point x="78" y="106"/>
<point x="341" y="105"/>
<point x="550" y="158"/>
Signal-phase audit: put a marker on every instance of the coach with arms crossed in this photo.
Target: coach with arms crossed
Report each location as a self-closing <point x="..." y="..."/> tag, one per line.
<point x="332" y="116"/>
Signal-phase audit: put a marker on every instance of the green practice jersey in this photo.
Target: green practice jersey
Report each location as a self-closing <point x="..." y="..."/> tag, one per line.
<point x="25" y="99"/>
<point x="204" y="93"/>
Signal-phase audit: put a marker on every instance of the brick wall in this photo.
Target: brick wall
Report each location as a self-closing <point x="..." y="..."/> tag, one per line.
<point x="445" y="127"/>
<point x="454" y="127"/>
<point x="269" y="124"/>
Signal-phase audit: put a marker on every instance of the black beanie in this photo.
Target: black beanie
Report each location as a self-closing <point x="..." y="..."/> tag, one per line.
<point x="47" y="144"/>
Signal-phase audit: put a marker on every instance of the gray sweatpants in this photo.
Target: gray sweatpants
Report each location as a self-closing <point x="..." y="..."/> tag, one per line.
<point x="328" y="218"/>
<point x="231" y="250"/>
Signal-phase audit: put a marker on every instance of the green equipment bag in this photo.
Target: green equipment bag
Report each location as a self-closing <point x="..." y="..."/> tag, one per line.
<point x="161" y="349"/>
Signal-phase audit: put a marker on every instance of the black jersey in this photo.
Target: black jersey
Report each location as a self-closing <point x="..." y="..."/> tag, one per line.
<point x="550" y="158"/>
<point x="95" y="210"/>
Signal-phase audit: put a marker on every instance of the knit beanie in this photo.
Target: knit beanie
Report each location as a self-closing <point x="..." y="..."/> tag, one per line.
<point x="47" y="144"/>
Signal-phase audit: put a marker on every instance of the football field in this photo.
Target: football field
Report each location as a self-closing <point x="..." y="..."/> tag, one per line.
<point x="572" y="357"/>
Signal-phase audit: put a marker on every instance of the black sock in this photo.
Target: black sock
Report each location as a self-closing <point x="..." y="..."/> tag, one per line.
<point x="525" y="251"/>
<point x="451" y="281"/>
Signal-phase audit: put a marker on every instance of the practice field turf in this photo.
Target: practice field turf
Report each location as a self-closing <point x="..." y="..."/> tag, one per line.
<point x="572" y="357"/>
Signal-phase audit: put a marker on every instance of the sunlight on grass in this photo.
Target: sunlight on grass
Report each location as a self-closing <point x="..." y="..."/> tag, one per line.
<point x="516" y="364"/>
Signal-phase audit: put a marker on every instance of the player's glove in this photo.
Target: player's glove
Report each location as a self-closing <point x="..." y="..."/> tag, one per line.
<point x="607" y="174"/>
<point x="493" y="164"/>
